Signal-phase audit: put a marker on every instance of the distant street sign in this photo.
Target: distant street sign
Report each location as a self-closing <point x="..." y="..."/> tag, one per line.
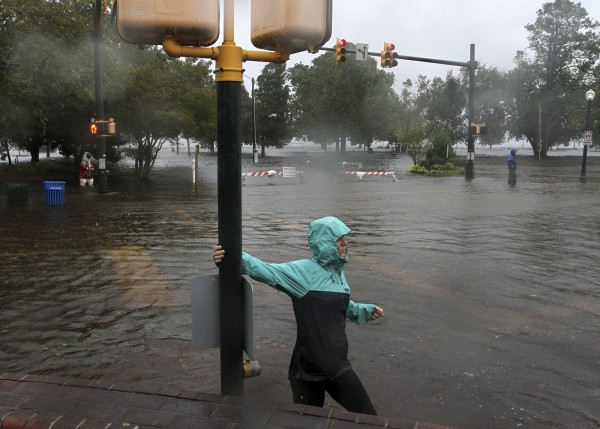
<point x="362" y="51"/>
<point x="289" y="171"/>
<point x="587" y="137"/>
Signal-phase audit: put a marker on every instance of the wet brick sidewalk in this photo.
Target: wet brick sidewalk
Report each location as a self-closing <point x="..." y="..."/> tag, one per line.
<point x="36" y="402"/>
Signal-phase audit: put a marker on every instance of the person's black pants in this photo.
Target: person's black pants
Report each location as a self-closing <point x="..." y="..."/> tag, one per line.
<point x="347" y="390"/>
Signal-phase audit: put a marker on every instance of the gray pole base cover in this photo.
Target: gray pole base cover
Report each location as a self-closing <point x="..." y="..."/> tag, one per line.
<point x="205" y="314"/>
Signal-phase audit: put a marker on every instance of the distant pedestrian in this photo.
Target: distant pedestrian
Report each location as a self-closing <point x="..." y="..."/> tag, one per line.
<point x="512" y="167"/>
<point x="321" y="301"/>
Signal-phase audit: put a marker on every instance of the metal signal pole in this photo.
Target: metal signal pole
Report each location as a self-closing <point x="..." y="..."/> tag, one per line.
<point x="97" y="36"/>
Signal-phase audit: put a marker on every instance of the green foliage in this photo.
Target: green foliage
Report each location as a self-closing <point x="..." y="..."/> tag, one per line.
<point x="54" y="166"/>
<point x="44" y="73"/>
<point x="414" y="138"/>
<point x="549" y="87"/>
<point x="446" y="101"/>
<point x="352" y="100"/>
<point x="445" y="169"/>
<point x="439" y="150"/>
<point x="164" y="98"/>
<point x="492" y="104"/>
<point x="61" y="169"/>
<point x="272" y="107"/>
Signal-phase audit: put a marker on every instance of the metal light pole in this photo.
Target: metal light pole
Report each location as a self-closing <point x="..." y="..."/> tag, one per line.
<point x="469" y="167"/>
<point x="589" y="96"/>
<point x="539" y="130"/>
<point x="102" y="179"/>
<point x="254" y="152"/>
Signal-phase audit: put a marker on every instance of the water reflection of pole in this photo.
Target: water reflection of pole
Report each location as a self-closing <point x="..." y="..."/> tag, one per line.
<point x="102" y="180"/>
<point x="588" y="127"/>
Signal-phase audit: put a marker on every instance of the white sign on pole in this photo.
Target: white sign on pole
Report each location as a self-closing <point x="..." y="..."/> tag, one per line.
<point x="587" y="137"/>
<point x="362" y="51"/>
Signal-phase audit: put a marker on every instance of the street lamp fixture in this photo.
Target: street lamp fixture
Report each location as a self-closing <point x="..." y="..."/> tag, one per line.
<point x="589" y="96"/>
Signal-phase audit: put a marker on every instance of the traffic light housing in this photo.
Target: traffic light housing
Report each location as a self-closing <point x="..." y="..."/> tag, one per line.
<point x="388" y="56"/>
<point x="93" y="127"/>
<point x="112" y="126"/>
<point x="103" y="128"/>
<point x="340" y="51"/>
<point x="478" y="129"/>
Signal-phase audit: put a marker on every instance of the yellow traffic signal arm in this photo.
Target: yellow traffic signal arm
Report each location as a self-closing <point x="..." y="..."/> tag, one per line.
<point x="228" y="56"/>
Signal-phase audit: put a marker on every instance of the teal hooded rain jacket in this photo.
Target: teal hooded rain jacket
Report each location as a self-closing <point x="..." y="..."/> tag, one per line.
<point x="321" y="298"/>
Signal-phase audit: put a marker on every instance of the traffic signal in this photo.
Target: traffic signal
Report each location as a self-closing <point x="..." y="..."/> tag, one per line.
<point x="93" y="127"/>
<point x="340" y="51"/>
<point x="478" y="129"/>
<point x="388" y="56"/>
<point x="112" y="126"/>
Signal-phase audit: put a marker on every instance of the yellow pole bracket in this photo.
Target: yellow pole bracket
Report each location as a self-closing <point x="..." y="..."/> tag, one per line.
<point x="176" y="50"/>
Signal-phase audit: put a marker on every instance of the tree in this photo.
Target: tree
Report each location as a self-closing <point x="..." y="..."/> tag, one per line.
<point x="443" y="103"/>
<point x="332" y="103"/>
<point x="272" y="108"/>
<point x="413" y="136"/>
<point x="149" y="109"/>
<point x="196" y="96"/>
<point x="310" y="108"/>
<point x="566" y="46"/>
<point x="247" y="117"/>
<point x="492" y="103"/>
<point x="43" y="72"/>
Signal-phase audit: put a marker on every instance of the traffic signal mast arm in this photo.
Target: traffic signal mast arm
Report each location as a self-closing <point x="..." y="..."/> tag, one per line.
<point x="409" y="58"/>
<point x="174" y="49"/>
<point x="227" y="56"/>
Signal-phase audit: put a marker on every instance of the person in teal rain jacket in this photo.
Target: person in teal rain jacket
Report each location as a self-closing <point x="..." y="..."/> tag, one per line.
<point x="321" y="299"/>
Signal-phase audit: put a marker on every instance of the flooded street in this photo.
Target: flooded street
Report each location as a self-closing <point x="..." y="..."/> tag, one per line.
<point x="491" y="292"/>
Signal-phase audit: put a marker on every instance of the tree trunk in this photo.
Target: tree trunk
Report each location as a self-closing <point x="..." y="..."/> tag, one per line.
<point x="35" y="154"/>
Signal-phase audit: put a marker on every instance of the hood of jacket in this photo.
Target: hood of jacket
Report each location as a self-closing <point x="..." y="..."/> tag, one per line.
<point x="322" y="236"/>
<point x="513" y="152"/>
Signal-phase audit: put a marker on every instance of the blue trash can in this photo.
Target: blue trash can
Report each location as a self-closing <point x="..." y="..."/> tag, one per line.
<point x="54" y="192"/>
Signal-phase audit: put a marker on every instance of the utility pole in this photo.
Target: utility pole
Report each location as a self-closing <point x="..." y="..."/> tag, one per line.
<point x="229" y="76"/>
<point x="97" y="36"/>
<point x="470" y="168"/>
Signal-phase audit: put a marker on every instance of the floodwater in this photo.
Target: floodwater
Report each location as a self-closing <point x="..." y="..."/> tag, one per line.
<point x="491" y="292"/>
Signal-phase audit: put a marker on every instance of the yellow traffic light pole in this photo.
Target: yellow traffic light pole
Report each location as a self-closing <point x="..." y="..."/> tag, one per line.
<point x="229" y="77"/>
<point x="228" y="56"/>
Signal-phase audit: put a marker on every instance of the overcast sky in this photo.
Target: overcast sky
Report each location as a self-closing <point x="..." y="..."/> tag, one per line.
<point x="441" y="29"/>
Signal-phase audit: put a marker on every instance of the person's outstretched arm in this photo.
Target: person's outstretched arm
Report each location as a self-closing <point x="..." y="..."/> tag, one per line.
<point x="290" y="277"/>
<point x="363" y="313"/>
